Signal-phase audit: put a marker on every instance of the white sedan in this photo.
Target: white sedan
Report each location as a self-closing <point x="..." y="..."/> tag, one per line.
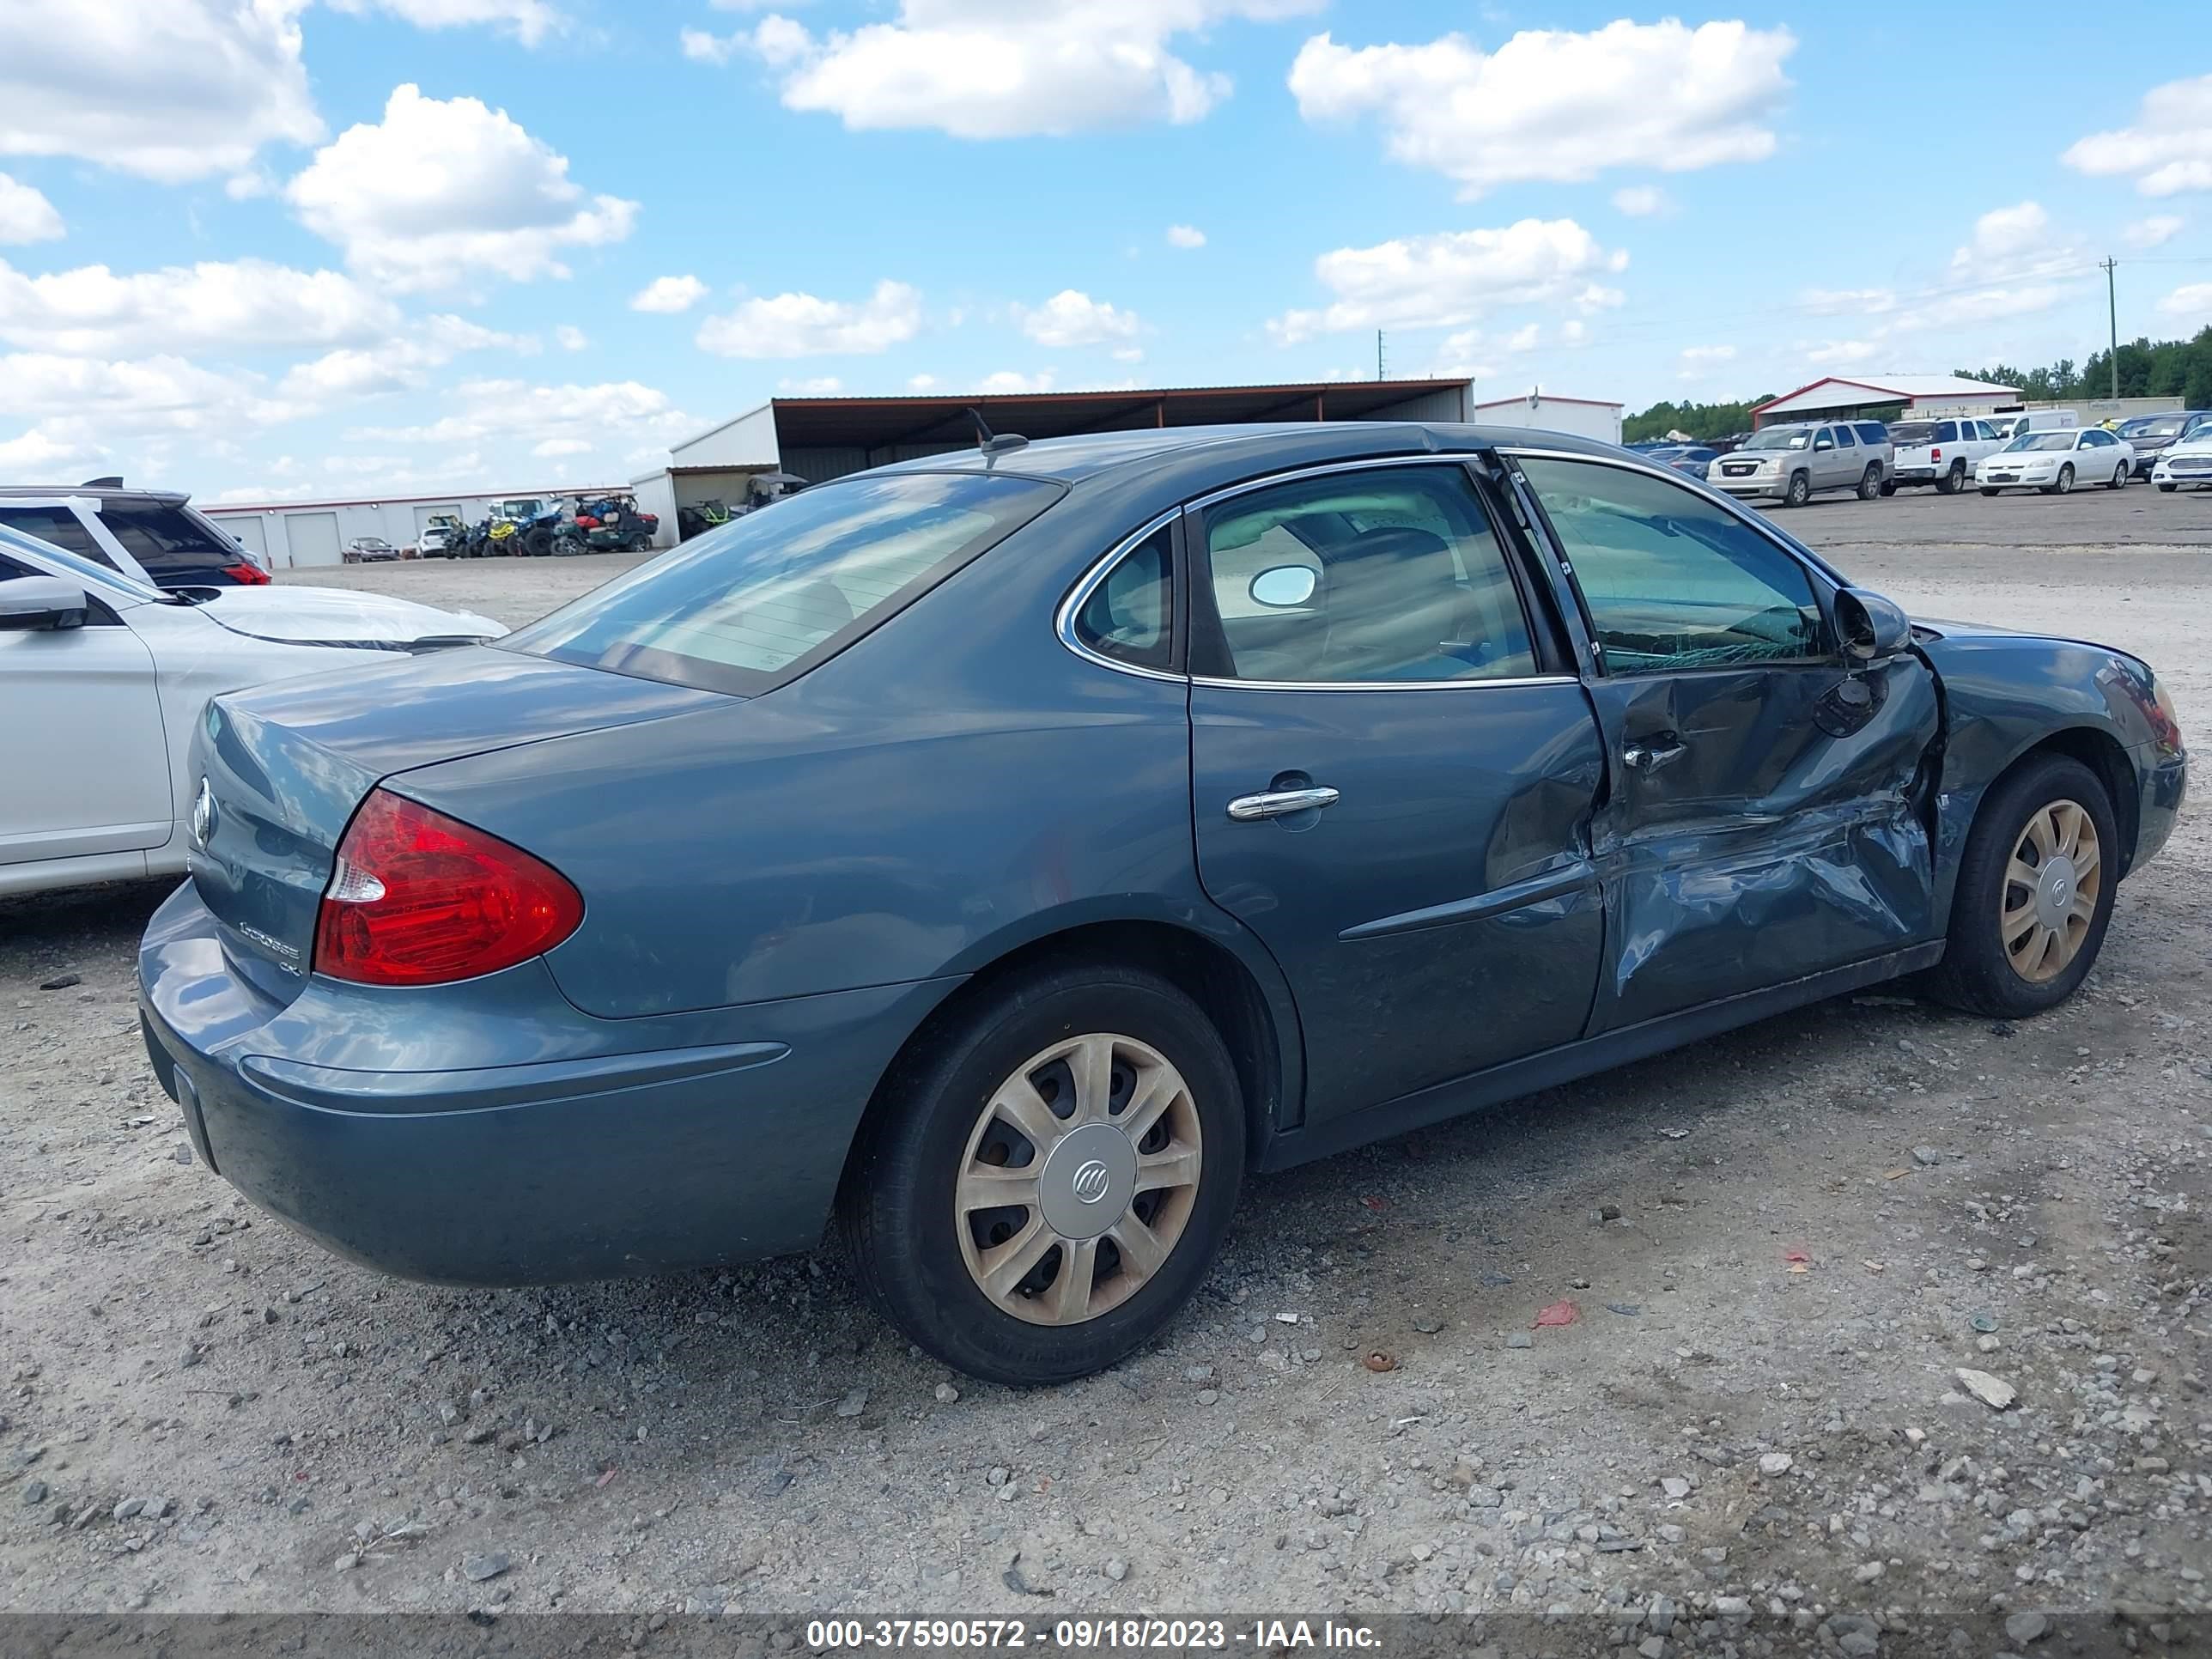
<point x="103" y="678"/>
<point x="2189" y="462"/>
<point x="2054" y="461"/>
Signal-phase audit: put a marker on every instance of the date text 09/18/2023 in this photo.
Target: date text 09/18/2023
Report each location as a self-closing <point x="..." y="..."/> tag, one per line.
<point x="1092" y="1635"/>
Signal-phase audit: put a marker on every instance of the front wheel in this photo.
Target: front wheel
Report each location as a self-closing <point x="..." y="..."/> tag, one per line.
<point x="1870" y="482"/>
<point x="1989" y="490"/>
<point x="2119" y="478"/>
<point x="1050" y="1180"/>
<point x="2168" y="489"/>
<point x="2035" y="892"/>
<point x="1800" y="491"/>
<point x="2065" y="484"/>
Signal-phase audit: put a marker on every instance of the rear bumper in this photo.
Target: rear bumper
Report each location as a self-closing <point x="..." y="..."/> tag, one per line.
<point x="488" y="1133"/>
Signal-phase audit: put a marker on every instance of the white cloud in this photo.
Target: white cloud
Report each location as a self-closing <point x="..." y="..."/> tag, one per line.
<point x="246" y="303"/>
<point x="978" y="69"/>
<point x="77" y="396"/>
<point x="1009" y="380"/>
<point x="1574" y="332"/>
<point x="1696" y="362"/>
<point x="1527" y="337"/>
<point x="1641" y="200"/>
<point x="1186" y="236"/>
<point x="1442" y="281"/>
<point x="919" y="383"/>
<point x="546" y="448"/>
<point x="171" y="91"/>
<point x="1555" y="105"/>
<point x="1847" y="302"/>
<point x="2190" y="304"/>
<point x="528" y="21"/>
<point x="39" y="452"/>
<point x="703" y="47"/>
<point x="1128" y="354"/>
<point x="569" y="337"/>
<point x="398" y="364"/>
<point x="669" y="293"/>
<point x="820" y="386"/>
<point x="2169" y="148"/>
<point x="491" y="410"/>
<point x="26" y="215"/>
<point x="2003" y="235"/>
<point x="1841" y="354"/>
<point x="801" y="326"/>
<point x="445" y="191"/>
<point x="249" y="185"/>
<point x="2156" y="231"/>
<point x="1072" y="317"/>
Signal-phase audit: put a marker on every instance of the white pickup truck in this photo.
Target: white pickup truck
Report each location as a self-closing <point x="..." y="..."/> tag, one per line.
<point x="1942" y="453"/>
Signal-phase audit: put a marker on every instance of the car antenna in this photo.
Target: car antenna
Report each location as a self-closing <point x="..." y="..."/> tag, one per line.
<point x="994" y="443"/>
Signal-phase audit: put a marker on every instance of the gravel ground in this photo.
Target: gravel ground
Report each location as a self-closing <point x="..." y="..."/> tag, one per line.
<point x="1783" y="1245"/>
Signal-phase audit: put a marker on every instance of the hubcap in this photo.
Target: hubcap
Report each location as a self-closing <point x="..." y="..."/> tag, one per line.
<point x="1079" y="1178"/>
<point x="2051" y="886"/>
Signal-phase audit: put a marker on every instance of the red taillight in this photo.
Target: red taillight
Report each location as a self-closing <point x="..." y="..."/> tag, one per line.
<point x="418" y="898"/>
<point x="1935" y="454"/>
<point x="245" y="574"/>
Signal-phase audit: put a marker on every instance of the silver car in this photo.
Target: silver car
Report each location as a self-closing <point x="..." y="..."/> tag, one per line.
<point x="1790" y="464"/>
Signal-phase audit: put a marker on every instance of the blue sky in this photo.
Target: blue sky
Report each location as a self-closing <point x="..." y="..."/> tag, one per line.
<point x="265" y="249"/>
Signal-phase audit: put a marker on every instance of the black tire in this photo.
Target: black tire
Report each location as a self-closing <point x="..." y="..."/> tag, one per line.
<point x="1870" y="482"/>
<point x="1975" y="975"/>
<point x="896" y="1209"/>
<point x="2063" y="487"/>
<point x="2119" y="480"/>
<point x="1799" y="489"/>
<point x="1954" y="481"/>
<point x="2167" y="489"/>
<point x="1889" y="487"/>
<point x="1989" y="490"/>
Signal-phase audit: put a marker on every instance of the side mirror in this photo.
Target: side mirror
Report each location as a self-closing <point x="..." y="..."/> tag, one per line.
<point x="1823" y="443"/>
<point x="36" y="602"/>
<point x="1873" y="627"/>
<point x="1284" y="586"/>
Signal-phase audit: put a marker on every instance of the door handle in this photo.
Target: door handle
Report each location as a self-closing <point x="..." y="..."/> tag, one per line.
<point x="1651" y="755"/>
<point x="1280" y="803"/>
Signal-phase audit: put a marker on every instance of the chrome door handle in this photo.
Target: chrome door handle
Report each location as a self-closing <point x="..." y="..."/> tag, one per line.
<point x="1649" y="757"/>
<point x="1247" y="809"/>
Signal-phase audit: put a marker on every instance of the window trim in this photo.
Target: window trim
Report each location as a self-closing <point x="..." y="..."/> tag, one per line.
<point x="1079" y="595"/>
<point x="1825" y="582"/>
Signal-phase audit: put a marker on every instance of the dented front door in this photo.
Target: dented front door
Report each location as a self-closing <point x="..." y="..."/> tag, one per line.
<point x="1766" y="814"/>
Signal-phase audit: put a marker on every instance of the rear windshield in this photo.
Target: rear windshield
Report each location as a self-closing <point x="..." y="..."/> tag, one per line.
<point x="162" y="537"/>
<point x="767" y="596"/>
<point x="1903" y="433"/>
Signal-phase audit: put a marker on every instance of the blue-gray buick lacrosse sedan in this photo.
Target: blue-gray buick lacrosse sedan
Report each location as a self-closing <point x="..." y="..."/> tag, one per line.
<point x="1006" y="853"/>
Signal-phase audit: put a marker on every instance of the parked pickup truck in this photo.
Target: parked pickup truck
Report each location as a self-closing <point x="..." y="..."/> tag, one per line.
<point x="1941" y="452"/>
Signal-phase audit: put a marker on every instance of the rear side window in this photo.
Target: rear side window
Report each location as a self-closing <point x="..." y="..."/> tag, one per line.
<point x="1129" y="616"/>
<point x="767" y="596"/>
<point x="164" y="537"/>
<point x="1873" y="432"/>
<point x="57" y="527"/>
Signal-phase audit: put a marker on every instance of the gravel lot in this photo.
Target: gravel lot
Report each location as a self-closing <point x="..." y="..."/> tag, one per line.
<point x="1781" y="1243"/>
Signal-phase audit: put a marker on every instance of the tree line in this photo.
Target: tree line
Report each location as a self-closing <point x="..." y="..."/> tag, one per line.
<point x="2177" y="369"/>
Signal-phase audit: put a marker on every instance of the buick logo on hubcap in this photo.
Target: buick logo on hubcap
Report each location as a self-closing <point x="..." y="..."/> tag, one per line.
<point x="1091" y="1182"/>
<point x="203" y="814"/>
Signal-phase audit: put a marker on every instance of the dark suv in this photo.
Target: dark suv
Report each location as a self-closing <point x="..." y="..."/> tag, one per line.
<point x="152" y="534"/>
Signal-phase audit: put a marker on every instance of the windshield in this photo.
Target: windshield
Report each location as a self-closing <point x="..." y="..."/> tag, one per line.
<point x="2028" y="440"/>
<point x="754" y="601"/>
<point x="1781" y="437"/>
<point x="2156" y="426"/>
<point x="1904" y="433"/>
<point x="95" y="577"/>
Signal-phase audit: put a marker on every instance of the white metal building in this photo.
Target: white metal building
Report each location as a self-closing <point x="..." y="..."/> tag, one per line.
<point x="1920" y="394"/>
<point x="1586" y="417"/>
<point x="288" y="534"/>
<point x="817" y="438"/>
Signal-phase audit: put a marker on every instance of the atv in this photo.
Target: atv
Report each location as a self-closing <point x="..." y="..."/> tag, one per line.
<point x="697" y="520"/>
<point x="527" y="525"/>
<point x="610" y="523"/>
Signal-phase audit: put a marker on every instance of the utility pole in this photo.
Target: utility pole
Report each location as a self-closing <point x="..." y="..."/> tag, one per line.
<point x="1378" y="355"/>
<point x="2112" y="312"/>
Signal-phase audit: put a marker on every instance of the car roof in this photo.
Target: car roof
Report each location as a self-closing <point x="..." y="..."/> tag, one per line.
<point x="168" y="497"/>
<point x="1196" y="455"/>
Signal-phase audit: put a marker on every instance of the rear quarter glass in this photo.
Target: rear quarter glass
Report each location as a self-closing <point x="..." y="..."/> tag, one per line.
<point x="762" y="599"/>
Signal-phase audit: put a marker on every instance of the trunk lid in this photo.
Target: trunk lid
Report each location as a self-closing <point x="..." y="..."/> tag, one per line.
<point x="276" y="773"/>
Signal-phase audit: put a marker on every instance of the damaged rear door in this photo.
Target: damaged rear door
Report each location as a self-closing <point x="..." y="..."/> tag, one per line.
<point x="1766" y="817"/>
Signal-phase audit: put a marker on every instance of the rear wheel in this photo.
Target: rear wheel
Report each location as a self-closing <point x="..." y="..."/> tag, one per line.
<point x="1870" y="482"/>
<point x="1055" y="1179"/>
<point x="1800" y="491"/>
<point x="2035" y="892"/>
<point x="1954" y="481"/>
